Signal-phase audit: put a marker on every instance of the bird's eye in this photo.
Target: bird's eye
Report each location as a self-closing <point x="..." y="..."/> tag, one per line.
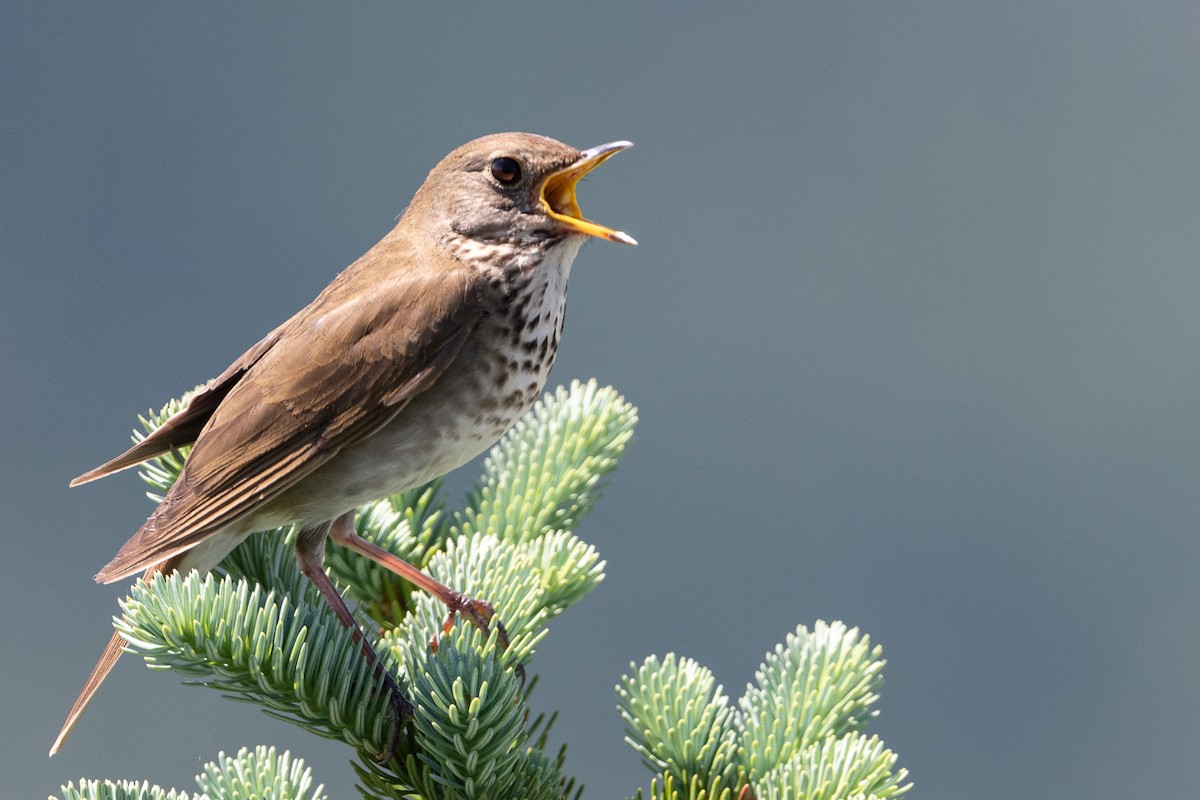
<point x="506" y="171"/>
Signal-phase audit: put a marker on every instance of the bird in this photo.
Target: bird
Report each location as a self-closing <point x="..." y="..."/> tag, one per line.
<point x="415" y="359"/>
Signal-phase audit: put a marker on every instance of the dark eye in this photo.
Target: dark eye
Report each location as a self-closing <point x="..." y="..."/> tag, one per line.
<point x="506" y="170"/>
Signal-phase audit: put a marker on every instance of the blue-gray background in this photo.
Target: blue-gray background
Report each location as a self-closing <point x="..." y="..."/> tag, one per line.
<point x="913" y="330"/>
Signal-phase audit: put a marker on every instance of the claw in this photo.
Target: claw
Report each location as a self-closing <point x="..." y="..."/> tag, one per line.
<point x="479" y="613"/>
<point x="401" y="708"/>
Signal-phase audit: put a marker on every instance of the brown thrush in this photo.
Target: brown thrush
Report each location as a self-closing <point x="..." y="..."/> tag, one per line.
<point x="417" y="358"/>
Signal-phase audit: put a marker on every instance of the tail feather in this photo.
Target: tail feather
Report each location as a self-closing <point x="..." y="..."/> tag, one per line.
<point x="108" y="660"/>
<point x="185" y="427"/>
<point x="180" y="430"/>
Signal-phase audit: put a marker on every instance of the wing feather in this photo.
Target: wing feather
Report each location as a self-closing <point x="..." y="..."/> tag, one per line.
<point x="184" y="427"/>
<point x="338" y="371"/>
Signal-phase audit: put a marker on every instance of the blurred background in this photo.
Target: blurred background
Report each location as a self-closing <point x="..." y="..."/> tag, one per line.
<point x="912" y="328"/>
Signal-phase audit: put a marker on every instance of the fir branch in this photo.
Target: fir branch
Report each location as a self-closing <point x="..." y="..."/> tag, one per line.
<point x="529" y="583"/>
<point x="258" y="773"/>
<point x="259" y="632"/>
<point x="251" y="774"/>
<point x="121" y="790"/>
<point x="668" y="787"/>
<point x="680" y="721"/>
<point x="548" y="471"/>
<point x="268" y="559"/>
<point x="851" y="766"/>
<point x="470" y="715"/>
<point x="812" y="686"/>
<point x="294" y="659"/>
<point x="795" y="733"/>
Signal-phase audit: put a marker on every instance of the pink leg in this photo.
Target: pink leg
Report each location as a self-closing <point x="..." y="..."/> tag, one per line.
<point x="478" y="612"/>
<point x="310" y="552"/>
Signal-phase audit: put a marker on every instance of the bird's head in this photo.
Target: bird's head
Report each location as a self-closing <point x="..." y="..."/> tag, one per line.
<point x="512" y="191"/>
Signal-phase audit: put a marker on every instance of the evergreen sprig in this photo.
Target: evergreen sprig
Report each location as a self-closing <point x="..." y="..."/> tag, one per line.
<point x="259" y="632"/>
<point x="293" y="658"/>
<point x="258" y="773"/>
<point x="552" y="465"/>
<point x="681" y="722"/>
<point x="796" y="733"/>
<point x="121" y="790"/>
<point x="836" y="767"/>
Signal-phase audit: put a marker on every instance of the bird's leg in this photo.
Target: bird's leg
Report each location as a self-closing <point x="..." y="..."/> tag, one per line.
<point x="478" y="612"/>
<point x="310" y="552"/>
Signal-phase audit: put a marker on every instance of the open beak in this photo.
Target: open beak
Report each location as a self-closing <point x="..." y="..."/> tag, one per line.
<point x="558" y="193"/>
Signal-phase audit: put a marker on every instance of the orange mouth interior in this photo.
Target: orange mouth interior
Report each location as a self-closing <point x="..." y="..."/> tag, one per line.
<point x="558" y="198"/>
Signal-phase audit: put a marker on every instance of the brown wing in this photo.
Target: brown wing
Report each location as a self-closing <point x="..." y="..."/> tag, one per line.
<point x="183" y="428"/>
<point x="340" y="370"/>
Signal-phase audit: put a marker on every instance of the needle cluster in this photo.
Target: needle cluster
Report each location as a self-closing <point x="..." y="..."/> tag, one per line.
<point x="797" y="733"/>
<point x="257" y="631"/>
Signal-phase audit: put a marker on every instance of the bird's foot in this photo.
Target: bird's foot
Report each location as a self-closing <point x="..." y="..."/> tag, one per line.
<point x="401" y="708"/>
<point x="479" y="613"/>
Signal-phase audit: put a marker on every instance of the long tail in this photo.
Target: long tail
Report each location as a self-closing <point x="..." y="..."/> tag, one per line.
<point x="108" y="660"/>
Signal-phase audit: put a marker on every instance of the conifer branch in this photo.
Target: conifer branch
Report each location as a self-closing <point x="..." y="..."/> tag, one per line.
<point x="257" y="631"/>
